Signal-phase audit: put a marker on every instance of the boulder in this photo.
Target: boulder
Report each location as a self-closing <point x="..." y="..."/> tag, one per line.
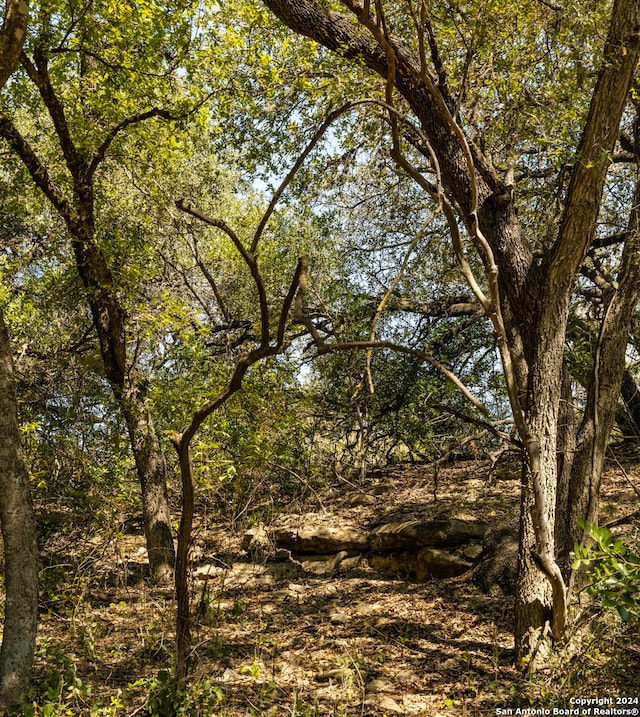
<point x="422" y="565"/>
<point x="425" y="533"/>
<point x="320" y="539"/>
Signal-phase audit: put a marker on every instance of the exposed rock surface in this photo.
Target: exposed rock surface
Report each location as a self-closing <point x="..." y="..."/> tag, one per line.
<point x="412" y="533"/>
<point x="313" y="538"/>
<point x="423" y="564"/>
<point x="417" y="549"/>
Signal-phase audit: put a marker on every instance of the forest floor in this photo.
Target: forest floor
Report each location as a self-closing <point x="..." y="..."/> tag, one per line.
<point x="274" y="639"/>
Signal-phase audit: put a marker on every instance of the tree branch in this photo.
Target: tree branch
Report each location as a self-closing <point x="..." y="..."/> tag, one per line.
<point x="114" y="131"/>
<point x="12" y="36"/>
<point x="38" y="73"/>
<point x="37" y="170"/>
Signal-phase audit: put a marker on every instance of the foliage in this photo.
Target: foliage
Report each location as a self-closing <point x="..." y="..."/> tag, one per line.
<point x="200" y="699"/>
<point x="613" y="569"/>
<point x="235" y="97"/>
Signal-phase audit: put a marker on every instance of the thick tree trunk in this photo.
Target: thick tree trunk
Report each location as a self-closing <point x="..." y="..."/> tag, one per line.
<point x="17" y="518"/>
<point x="20" y="547"/>
<point x="604" y="392"/>
<point x="152" y="471"/>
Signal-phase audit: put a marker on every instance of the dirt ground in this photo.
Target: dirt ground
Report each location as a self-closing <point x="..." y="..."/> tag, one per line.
<point x="273" y="639"/>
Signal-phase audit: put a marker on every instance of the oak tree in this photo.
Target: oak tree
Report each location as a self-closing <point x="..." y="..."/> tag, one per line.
<point x="443" y="65"/>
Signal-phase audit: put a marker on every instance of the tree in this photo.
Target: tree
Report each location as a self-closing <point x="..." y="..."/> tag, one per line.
<point x="81" y="71"/>
<point x="270" y="343"/>
<point x="16" y="510"/>
<point x="530" y="269"/>
<point x="19" y="538"/>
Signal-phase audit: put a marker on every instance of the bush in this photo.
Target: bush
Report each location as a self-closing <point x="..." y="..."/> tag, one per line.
<point x="613" y="569"/>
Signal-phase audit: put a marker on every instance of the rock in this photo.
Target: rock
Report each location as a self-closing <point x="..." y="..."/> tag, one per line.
<point x="473" y="551"/>
<point x="340" y="673"/>
<point x="340" y="618"/>
<point x="419" y="533"/>
<point x="365" y="609"/>
<point x="360" y="499"/>
<point x="320" y="539"/>
<point x="377" y="685"/>
<point x="246" y="573"/>
<point x="350" y="563"/>
<point x="407" y="677"/>
<point x="322" y="564"/>
<point x="386" y="704"/>
<point x="257" y="540"/>
<point x="230" y="675"/>
<point x="422" y="565"/>
<point x="382" y="488"/>
<point x="435" y="563"/>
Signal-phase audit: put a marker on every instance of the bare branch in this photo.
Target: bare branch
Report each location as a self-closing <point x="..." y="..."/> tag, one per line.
<point x="249" y="259"/>
<point x="330" y="119"/>
<point x="114" y="131"/>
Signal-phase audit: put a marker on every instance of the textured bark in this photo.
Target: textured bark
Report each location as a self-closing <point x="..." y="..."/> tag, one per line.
<point x="16" y="510"/>
<point x="604" y="391"/>
<point x="20" y="548"/>
<point x="128" y="389"/>
<point x="565" y="457"/>
<point x="629" y="417"/>
<point x="183" y="610"/>
<point x="152" y="472"/>
<point x="12" y="36"/>
<point x="108" y="319"/>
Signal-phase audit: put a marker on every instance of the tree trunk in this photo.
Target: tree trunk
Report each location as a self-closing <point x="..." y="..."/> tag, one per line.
<point x="604" y="391"/>
<point x="628" y="418"/>
<point x="107" y="313"/>
<point x="17" y="519"/>
<point x="152" y="471"/>
<point x="12" y="36"/>
<point x="183" y="612"/>
<point x="20" y="547"/>
<point x="128" y="389"/>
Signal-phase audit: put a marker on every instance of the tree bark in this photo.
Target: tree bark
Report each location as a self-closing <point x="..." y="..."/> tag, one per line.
<point x="604" y="391"/>
<point x="20" y="547"/>
<point x="151" y="467"/>
<point x="629" y="416"/>
<point x="12" y="36"/>
<point x="128" y="389"/>
<point x="17" y="519"/>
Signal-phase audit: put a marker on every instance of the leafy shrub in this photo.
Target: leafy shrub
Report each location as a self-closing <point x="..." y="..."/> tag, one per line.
<point x="613" y="569"/>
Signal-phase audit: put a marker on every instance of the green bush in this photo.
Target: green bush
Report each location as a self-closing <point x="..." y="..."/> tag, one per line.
<point x="613" y="569"/>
